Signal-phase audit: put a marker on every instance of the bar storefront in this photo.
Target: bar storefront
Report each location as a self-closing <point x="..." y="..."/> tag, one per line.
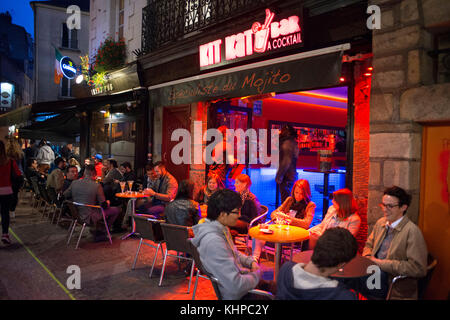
<point x="263" y="73"/>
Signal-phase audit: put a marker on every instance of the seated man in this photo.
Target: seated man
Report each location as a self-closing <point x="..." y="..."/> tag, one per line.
<point x="397" y="245"/>
<point x="236" y="272"/>
<point x="72" y="174"/>
<point x="32" y="171"/>
<point x="311" y="281"/>
<point x="55" y="179"/>
<point x="163" y="191"/>
<point x="127" y="172"/>
<point x="87" y="191"/>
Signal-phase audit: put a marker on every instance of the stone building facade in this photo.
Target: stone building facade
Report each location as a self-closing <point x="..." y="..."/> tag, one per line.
<point x="403" y="95"/>
<point x="410" y="95"/>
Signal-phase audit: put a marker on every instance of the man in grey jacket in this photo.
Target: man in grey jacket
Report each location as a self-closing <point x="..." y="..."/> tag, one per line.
<point x="87" y="191"/>
<point x="45" y="154"/>
<point x="236" y="272"/>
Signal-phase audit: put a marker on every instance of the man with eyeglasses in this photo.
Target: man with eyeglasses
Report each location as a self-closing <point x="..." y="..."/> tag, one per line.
<point x="236" y="272"/>
<point x="397" y="245"/>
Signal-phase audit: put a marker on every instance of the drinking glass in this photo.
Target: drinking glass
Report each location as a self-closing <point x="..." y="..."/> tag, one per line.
<point x="288" y="222"/>
<point x="278" y="222"/>
<point x="122" y="186"/>
<point x="130" y="185"/>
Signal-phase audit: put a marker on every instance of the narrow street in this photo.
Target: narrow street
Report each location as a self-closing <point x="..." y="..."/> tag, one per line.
<point x="35" y="266"/>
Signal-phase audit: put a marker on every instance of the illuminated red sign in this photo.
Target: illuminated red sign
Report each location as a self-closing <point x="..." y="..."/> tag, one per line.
<point x="258" y="39"/>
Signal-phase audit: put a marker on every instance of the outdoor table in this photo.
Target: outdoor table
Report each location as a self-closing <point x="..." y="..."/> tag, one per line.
<point x="132" y="196"/>
<point x="355" y="268"/>
<point x="279" y="236"/>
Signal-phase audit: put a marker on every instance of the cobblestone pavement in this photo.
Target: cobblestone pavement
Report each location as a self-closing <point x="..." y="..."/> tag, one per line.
<point x="38" y="258"/>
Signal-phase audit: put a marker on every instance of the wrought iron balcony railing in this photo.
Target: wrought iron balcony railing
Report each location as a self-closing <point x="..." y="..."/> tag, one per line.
<point x="165" y="21"/>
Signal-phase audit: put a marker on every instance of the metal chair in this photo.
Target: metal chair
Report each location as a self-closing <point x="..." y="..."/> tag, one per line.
<point x="78" y="220"/>
<point x="175" y="237"/>
<point x="422" y="283"/>
<point x="45" y="198"/>
<point x="38" y="200"/>
<point x="54" y="202"/>
<point x="241" y="240"/>
<point x="202" y="273"/>
<point x="148" y="229"/>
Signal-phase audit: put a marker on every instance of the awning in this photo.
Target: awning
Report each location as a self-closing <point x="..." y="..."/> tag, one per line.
<point x="307" y="70"/>
<point x="27" y="113"/>
<point x="64" y="127"/>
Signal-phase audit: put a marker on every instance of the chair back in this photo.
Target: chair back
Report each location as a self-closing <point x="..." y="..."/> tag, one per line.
<point x="43" y="193"/>
<point x="34" y="184"/>
<point x="264" y="211"/>
<point x="72" y="209"/>
<point x="199" y="265"/>
<point x="149" y="229"/>
<point x="422" y="283"/>
<point x="51" y="192"/>
<point x="175" y="237"/>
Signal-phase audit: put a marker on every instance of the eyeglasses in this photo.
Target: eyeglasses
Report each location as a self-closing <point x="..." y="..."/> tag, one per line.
<point x="388" y="206"/>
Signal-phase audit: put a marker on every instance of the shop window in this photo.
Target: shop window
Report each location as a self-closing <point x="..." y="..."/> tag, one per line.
<point x="123" y="139"/>
<point x="69" y="37"/>
<point x="65" y="87"/>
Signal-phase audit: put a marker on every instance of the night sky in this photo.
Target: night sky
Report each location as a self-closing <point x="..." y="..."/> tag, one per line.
<point x="21" y="13"/>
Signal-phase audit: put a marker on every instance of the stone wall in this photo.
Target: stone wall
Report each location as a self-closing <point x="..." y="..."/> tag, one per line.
<point x="403" y="95"/>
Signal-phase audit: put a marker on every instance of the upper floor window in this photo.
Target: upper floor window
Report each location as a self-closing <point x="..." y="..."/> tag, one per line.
<point x="121" y="18"/>
<point x="196" y="12"/>
<point x="69" y="37"/>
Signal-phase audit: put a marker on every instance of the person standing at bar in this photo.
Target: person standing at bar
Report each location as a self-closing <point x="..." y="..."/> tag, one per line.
<point x="287" y="169"/>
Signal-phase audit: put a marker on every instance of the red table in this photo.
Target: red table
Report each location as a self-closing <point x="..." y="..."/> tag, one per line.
<point x="355" y="268"/>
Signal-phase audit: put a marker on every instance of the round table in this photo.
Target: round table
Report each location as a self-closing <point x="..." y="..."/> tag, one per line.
<point x="356" y="268"/>
<point x="132" y="196"/>
<point x="280" y="235"/>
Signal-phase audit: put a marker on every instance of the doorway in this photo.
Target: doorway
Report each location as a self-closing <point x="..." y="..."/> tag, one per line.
<point x="434" y="219"/>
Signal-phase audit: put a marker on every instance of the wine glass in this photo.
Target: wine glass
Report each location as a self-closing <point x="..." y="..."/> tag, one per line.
<point x="130" y="184"/>
<point x="122" y="186"/>
<point x="288" y="222"/>
<point x="278" y="222"/>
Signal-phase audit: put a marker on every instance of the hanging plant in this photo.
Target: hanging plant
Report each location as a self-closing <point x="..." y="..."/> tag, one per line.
<point x="110" y="55"/>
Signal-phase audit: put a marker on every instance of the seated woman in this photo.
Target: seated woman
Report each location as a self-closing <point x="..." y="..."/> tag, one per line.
<point x="343" y="214"/>
<point x="250" y="204"/>
<point x="213" y="183"/>
<point x="183" y="210"/>
<point x="298" y="207"/>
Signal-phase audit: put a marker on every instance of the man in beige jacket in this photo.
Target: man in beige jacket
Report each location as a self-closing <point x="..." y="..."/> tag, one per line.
<point x="397" y="245"/>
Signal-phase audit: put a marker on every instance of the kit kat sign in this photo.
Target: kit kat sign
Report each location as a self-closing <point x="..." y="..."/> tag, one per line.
<point x="271" y="36"/>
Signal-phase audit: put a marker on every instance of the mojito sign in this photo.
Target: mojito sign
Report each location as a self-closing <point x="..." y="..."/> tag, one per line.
<point x="261" y="38"/>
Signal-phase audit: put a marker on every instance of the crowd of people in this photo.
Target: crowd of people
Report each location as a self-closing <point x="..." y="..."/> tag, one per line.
<point x="396" y="244"/>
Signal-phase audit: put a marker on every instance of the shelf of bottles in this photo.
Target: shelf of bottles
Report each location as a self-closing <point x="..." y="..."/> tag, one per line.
<point x="312" y="139"/>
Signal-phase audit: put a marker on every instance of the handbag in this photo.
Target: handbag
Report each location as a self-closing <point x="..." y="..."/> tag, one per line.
<point x="16" y="180"/>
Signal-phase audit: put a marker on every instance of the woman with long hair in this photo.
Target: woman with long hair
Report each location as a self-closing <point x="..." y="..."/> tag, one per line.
<point x="213" y="183"/>
<point x="298" y="207"/>
<point x="14" y="152"/>
<point x="7" y="167"/>
<point x="250" y="204"/>
<point x="343" y="214"/>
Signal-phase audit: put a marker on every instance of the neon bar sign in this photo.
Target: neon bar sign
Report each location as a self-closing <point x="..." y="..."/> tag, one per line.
<point x="258" y="39"/>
